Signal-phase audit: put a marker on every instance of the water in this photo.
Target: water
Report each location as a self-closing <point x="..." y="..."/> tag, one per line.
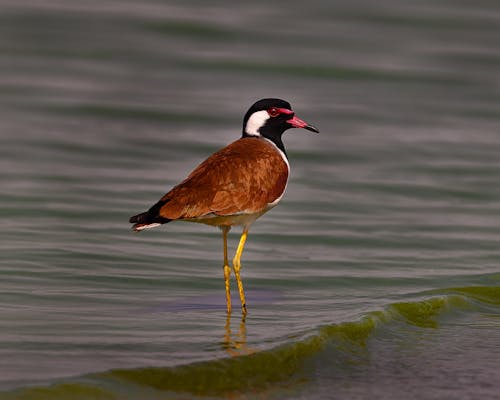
<point x="376" y="277"/>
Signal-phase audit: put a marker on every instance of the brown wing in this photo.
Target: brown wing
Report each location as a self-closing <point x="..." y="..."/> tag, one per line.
<point x="243" y="177"/>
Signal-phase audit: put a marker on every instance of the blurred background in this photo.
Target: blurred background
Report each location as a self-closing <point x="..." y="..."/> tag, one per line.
<point x="104" y="105"/>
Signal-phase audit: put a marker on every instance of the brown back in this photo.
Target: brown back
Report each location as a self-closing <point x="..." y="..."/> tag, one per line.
<point x="245" y="177"/>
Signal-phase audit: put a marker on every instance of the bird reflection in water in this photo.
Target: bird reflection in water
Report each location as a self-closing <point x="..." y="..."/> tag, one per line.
<point x="235" y="344"/>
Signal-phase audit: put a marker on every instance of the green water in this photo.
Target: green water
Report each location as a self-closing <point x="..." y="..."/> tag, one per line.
<point x="378" y="274"/>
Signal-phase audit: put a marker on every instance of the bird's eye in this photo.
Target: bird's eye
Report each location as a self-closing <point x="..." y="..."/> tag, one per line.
<point x="273" y="112"/>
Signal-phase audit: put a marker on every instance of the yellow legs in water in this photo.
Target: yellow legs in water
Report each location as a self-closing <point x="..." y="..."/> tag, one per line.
<point x="236" y="268"/>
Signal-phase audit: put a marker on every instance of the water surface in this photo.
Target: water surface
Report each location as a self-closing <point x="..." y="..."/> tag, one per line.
<point x="378" y="274"/>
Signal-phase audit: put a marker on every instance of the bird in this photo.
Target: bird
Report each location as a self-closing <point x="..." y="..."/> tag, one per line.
<point x="235" y="185"/>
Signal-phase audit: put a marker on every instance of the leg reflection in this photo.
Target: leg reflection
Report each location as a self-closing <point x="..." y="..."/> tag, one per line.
<point x="235" y="344"/>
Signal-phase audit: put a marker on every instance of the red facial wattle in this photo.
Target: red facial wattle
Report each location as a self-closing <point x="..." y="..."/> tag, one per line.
<point x="294" y="121"/>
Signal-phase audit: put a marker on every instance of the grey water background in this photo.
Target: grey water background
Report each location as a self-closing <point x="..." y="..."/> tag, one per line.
<point x="105" y="105"/>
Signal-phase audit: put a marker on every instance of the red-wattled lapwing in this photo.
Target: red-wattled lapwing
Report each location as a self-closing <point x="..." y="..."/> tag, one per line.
<point x="235" y="185"/>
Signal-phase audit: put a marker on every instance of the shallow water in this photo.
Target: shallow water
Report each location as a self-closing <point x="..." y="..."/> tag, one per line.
<point x="377" y="275"/>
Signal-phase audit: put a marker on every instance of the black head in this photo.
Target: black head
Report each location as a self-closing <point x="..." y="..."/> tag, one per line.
<point x="270" y="118"/>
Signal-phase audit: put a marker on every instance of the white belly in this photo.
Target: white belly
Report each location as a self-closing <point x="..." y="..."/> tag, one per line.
<point x="245" y="219"/>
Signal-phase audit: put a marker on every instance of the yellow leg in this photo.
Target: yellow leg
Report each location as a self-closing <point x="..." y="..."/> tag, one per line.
<point x="237" y="267"/>
<point x="227" y="269"/>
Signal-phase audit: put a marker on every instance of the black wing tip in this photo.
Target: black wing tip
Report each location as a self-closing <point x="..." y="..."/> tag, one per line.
<point x="134" y="218"/>
<point x="143" y="220"/>
<point x="140" y="218"/>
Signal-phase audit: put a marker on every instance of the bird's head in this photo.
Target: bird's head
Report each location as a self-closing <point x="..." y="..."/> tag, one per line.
<point x="270" y="118"/>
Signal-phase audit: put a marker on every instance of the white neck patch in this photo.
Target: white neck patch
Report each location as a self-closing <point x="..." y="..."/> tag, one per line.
<point x="255" y="122"/>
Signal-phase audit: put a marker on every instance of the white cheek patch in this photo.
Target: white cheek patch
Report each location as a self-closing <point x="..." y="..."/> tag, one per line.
<point x="256" y="121"/>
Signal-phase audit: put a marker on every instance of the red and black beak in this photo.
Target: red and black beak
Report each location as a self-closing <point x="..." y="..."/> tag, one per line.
<point x="296" y="122"/>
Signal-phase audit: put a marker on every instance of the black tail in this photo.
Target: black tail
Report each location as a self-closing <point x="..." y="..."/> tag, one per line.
<point x="149" y="219"/>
